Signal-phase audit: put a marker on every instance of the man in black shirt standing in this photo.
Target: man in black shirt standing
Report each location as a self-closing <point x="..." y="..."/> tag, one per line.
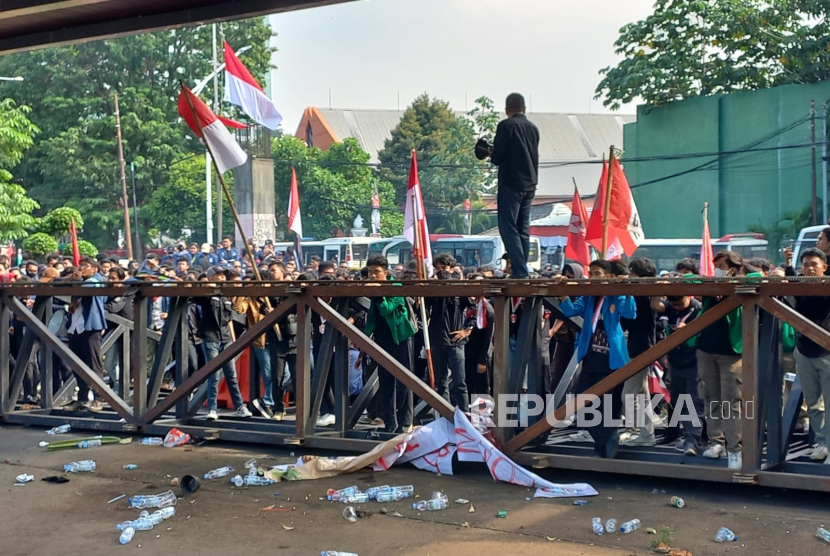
<point x="516" y="152"/>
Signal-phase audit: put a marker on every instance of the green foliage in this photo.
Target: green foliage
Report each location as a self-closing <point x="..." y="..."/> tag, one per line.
<point x="702" y="47"/>
<point x="335" y="186"/>
<point x="71" y="90"/>
<point x="56" y="222"/>
<point x="16" y="136"/>
<point x="782" y="231"/>
<point x="448" y="171"/>
<point x="86" y="249"/>
<point x="180" y="203"/>
<point x="40" y="244"/>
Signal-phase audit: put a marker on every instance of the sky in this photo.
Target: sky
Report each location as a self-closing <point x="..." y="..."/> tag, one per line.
<point x="371" y="53"/>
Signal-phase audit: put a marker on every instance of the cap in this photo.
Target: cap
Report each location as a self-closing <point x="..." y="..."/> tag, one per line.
<point x="206" y="248"/>
<point x="214" y="270"/>
<point x="151" y="256"/>
<point x="48" y="275"/>
<point x="269" y="242"/>
<point x="171" y="249"/>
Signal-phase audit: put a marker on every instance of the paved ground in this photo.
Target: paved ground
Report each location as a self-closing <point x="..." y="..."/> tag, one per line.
<point x="74" y="518"/>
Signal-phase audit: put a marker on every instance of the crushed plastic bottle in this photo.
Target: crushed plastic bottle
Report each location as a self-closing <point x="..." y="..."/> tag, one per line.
<point x="611" y="525"/>
<point x="374" y="491"/>
<point x="440" y="496"/>
<point x="391" y="496"/>
<point x="580" y="502"/>
<point x="63" y="429"/>
<point x="91" y="443"/>
<point x="630" y="526"/>
<point x="151" y="441"/>
<point x="250" y="464"/>
<point x="430" y="505"/>
<point x="140" y="524"/>
<point x="339" y="494"/>
<point x="219" y="473"/>
<point x="349" y="514"/>
<point x="237" y="480"/>
<point x="404" y="488"/>
<point x="127" y="535"/>
<point x="359" y="498"/>
<point x="154" y="500"/>
<point x="24" y="478"/>
<point x="336" y="553"/>
<point x="82" y="466"/>
<point x="256" y="480"/>
<point x="823" y="534"/>
<point x="596" y="525"/>
<point x="131" y="466"/>
<point x="161" y="515"/>
<point x="725" y="535"/>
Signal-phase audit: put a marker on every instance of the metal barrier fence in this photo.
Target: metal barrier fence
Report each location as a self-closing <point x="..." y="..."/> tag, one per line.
<point x="137" y="404"/>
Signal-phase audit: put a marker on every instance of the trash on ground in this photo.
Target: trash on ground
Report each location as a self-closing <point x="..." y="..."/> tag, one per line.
<point x="651" y="531"/>
<point x="382" y="494"/>
<point x="550" y="538"/>
<point x="502" y="514"/>
<point x="43" y="444"/>
<point x="89" y="442"/>
<point x="465" y="524"/>
<point x="131" y="466"/>
<point x="630" y="526"/>
<point x="611" y="525"/>
<point x="116" y="499"/>
<point x="662" y="548"/>
<point x="127" y="535"/>
<point x="658" y="491"/>
<point x="162" y="500"/>
<point x="432" y="505"/>
<point x="236" y="480"/>
<point x="62" y="429"/>
<point x="349" y="514"/>
<point x="596" y="525"/>
<point x="462" y="501"/>
<point x="151" y="441"/>
<point x="79" y="466"/>
<point x="396" y="514"/>
<point x="336" y="553"/>
<point x="24" y="478"/>
<point x="286" y="527"/>
<point x="580" y="502"/>
<point x="174" y="481"/>
<point x="55" y="479"/>
<point x="219" y="473"/>
<point x="677" y="502"/>
<point x="823" y="534"/>
<point x="250" y="464"/>
<point x="175" y="437"/>
<point x="190" y="484"/>
<point x="725" y="535"/>
<point x="472" y="509"/>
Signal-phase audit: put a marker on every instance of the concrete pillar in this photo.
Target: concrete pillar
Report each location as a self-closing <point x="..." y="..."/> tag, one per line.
<point x="253" y="185"/>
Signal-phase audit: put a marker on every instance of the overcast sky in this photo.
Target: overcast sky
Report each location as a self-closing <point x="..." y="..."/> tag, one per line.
<point x="367" y="52"/>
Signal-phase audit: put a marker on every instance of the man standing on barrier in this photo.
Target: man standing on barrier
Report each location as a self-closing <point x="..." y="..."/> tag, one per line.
<point x="515" y="151"/>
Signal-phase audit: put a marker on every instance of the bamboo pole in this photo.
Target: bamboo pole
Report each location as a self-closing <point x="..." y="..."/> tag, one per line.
<point x="127" y="232"/>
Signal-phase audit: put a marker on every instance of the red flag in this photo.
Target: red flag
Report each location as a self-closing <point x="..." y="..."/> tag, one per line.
<point x="623" y="220"/>
<point x="243" y="90"/>
<point x="210" y="128"/>
<point x="655" y="381"/>
<point x="415" y="220"/>
<point x="707" y="258"/>
<point x="577" y="248"/>
<point x="295" y="217"/>
<point x="76" y="253"/>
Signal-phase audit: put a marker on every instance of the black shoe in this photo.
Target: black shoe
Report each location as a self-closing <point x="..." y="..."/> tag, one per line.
<point x="77" y="405"/>
<point x="668" y="438"/>
<point x="260" y="406"/>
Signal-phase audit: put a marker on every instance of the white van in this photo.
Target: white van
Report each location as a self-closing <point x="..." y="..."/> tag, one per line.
<point x="353" y="250"/>
<point x="807" y="238"/>
<point x="666" y="253"/>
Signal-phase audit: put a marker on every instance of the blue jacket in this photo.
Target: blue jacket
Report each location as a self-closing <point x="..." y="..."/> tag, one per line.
<point x="93" y="306"/>
<point x="227" y="254"/>
<point x="615" y="306"/>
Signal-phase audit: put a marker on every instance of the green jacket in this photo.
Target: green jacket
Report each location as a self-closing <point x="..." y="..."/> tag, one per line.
<point x="787" y="337"/>
<point x="396" y="314"/>
<point x="733" y="319"/>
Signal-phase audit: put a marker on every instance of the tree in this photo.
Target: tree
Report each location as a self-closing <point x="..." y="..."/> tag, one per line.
<point x="71" y="90"/>
<point x="335" y="186"/>
<point x="702" y="47"/>
<point x="16" y="136"/>
<point x="39" y="244"/>
<point x="56" y="222"/>
<point x="85" y="248"/>
<point x="448" y="170"/>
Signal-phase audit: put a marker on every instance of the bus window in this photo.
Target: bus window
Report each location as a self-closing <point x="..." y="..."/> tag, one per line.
<point x="360" y="252"/>
<point x="666" y="257"/>
<point x="533" y="252"/>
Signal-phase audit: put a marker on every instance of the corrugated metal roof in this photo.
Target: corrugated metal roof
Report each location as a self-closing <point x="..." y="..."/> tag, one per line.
<point x="564" y="137"/>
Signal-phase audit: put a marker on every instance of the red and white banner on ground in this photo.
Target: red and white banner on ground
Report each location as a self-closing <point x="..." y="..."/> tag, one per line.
<point x="243" y="90"/>
<point x="226" y="151"/>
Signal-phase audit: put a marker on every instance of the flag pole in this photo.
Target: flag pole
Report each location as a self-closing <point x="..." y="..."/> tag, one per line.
<point x="607" y="207"/>
<point x="127" y="232"/>
<point x="422" y="275"/>
<point x="231" y="205"/>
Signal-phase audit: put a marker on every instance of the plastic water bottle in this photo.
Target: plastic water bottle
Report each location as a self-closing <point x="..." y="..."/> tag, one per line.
<point x="89" y="443"/>
<point x="629" y="526"/>
<point x="162" y="515"/>
<point x="140" y="524"/>
<point x="79" y="466"/>
<point x="391" y="496"/>
<point x="63" y="429"/>
<point x="219" y="473"/>
<point x="725" y="535"/>
<point x="440" y="496"/>
<point x="374" y="491"/>
<point x="127" y="535"/>
<point x="151" y="441"/>
<point x="153" y="501"/>
<point x="359" y="498"/>
<point x="430" y="505"/>
<point x="404" y="488"/>
<point x="611" y="525"/>
<point x="335" y="494"/>
<point x="335" y="553"/>
<point x="596" y="525"/>
<point x="237" y="480"/>
<point x="350" y="515"/>
<point x="131" y="466"/>
<point x="823" y="533"/>
<point x="256" y="480"/>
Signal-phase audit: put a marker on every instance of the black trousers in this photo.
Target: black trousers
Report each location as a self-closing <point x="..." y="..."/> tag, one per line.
<point x="397" y="398"/>
<point x="606" y="438"/>
<point x="87" y="346"/>
<point x="279" y="358"/>
<point x="514" y="226"/>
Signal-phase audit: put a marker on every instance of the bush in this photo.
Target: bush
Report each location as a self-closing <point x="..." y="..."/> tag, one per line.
<point x="86" y="248"/>
<point x="56" y="222"/>
<point x="40" y="244"/>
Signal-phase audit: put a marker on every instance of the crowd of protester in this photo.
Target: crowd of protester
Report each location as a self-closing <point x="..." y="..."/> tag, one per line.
<point x="615" y="329"/>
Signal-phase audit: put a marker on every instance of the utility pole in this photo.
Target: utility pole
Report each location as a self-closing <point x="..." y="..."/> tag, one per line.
<point x="813" y="158"/>
<point x="135" y="217"/>
<point x="824" y="165"/>
<point x="216" y="111"/>
<point x="124" y="199"/>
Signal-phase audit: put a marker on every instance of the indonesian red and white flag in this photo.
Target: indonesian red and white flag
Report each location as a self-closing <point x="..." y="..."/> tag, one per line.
<point x="655" y="381"/>
<point x="707" y="258"/>
<point x="577" y="248"/>
<point x="76" y="252"/>
<point x="295" y="219"/>
<point x="415" y="220"/>
<point x="623" y="220"/>
<point x="224" y="148"/>
<point x="243" y="90"/>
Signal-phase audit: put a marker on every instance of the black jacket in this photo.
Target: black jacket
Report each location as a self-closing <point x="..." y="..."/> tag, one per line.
<point x="516" y="153"/>
<point x="216" y="314"/>
<point x="121" y="305"/>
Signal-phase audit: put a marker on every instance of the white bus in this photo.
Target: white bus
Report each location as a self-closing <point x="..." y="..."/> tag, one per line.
<point x="468" y="250"/>
<point x="666" y="253"/>
<point x="353" y="250"/>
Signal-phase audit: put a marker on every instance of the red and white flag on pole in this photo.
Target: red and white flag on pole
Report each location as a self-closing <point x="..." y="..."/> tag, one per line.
<point x="295" y="218"/>
<point x="375" y="210"/>
<point x="623" y="220"/>
<point x="707" y="258"/>
<point x="577" y="248"/>
<point x="243" y="90"/>
<point x="415" y="220"/>
<point x="76" y="252"/>
<point x="225" y="149"/>
<point x="655" y="381"/>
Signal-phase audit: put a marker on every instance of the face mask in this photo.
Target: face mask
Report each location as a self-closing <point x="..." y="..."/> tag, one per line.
<point x="720" y="273"/>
